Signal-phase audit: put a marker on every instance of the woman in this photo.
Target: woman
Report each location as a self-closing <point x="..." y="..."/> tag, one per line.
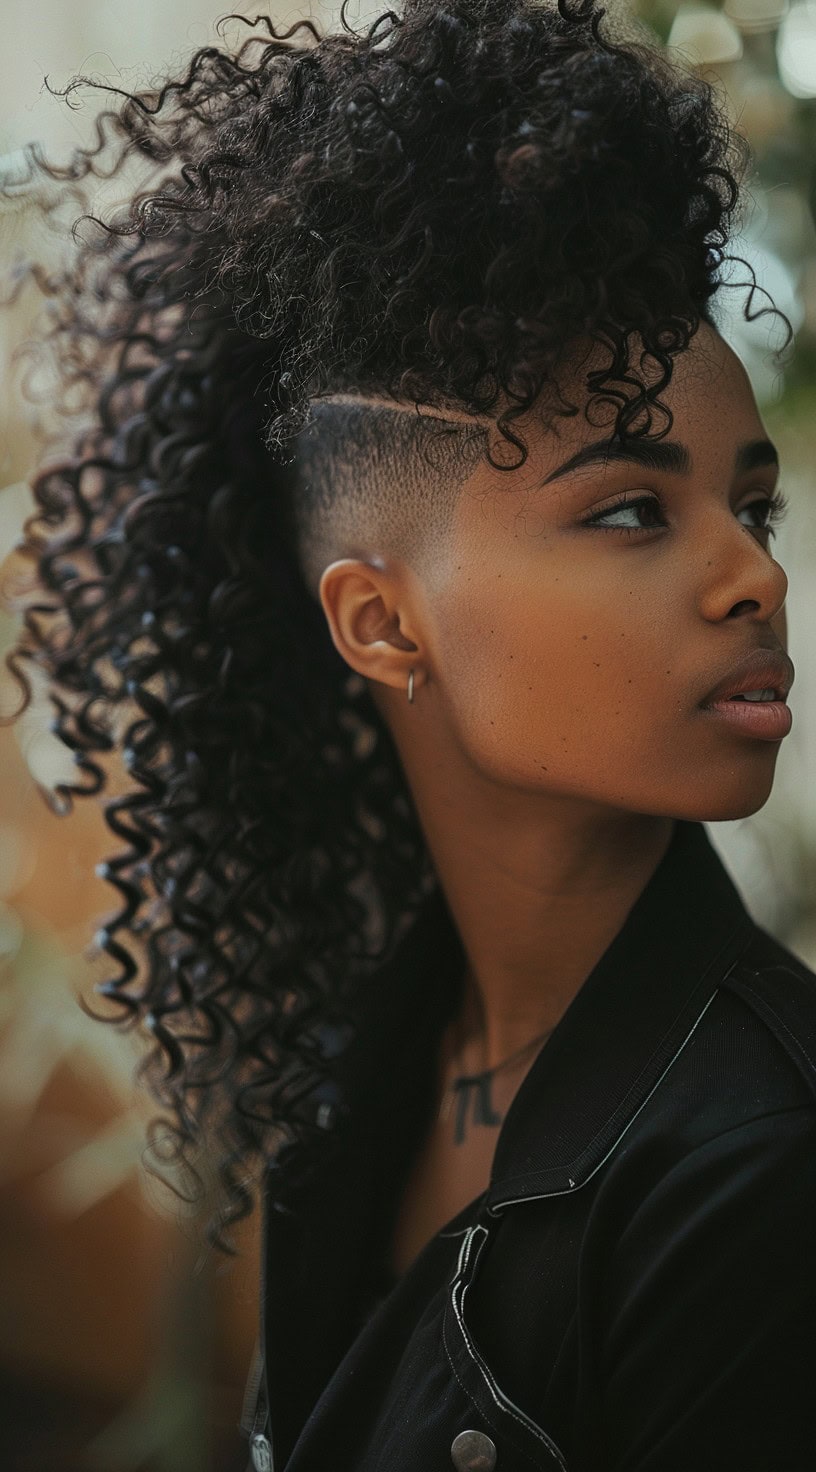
<point x="416" y="552"/>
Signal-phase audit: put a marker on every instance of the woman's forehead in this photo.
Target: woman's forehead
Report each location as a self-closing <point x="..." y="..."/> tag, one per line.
<point x="709" y="396"/>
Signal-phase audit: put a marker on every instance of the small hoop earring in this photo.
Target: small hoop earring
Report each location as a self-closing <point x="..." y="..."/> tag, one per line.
<point x="411" y="688"/>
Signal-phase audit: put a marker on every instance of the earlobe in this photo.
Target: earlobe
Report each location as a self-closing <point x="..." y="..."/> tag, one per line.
<point x="362" y="607"/>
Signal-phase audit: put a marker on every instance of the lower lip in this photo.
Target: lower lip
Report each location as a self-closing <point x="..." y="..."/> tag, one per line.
<point x="769" y="720"/>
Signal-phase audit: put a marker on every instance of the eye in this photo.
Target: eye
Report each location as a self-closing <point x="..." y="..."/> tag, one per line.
<point x="645" y="513"/>
<point x="630" y="514"/>
<point x="766" y="512"/>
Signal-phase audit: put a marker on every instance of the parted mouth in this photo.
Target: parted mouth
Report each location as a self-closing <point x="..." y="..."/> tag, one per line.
<point x="762" y="675"/>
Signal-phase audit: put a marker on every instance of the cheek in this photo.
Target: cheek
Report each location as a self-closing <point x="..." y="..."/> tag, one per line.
<point x="551" y="683"/>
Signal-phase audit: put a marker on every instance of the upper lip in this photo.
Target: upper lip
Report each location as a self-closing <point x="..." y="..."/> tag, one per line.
<point x="761" y="669"/>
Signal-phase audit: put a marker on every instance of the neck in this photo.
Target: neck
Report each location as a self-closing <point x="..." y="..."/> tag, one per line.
<point x="538" y="887"/>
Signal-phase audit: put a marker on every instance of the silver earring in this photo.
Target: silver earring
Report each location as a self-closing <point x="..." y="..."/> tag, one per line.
<point x="411" y="688"/>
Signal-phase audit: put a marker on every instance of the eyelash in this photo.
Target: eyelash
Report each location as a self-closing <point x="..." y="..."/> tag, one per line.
<point x="775" y="507"/>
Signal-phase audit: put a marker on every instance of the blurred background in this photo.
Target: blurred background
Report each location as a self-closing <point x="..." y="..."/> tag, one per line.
<point x="124" y="1343"/>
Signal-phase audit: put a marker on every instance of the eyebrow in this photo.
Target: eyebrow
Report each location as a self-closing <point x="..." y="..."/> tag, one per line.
<point x="667" y="455"/>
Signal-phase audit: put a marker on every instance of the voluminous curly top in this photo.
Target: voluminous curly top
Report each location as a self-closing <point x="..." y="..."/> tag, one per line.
<point x="431" y="211"/>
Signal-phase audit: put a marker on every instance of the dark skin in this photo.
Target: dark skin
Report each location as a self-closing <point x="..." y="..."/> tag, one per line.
<point x="555" y="733"/>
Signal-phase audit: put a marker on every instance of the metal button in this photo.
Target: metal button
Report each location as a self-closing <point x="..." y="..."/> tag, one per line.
<point x="472" y="1451"/>
<point x="261" y="1453"/>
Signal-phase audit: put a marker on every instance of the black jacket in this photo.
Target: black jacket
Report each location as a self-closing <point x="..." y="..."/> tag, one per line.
<point x="636" y="1290"/>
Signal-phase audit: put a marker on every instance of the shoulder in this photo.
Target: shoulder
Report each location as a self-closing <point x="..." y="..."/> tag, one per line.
<point x="745" y="1074"/>
<point x="754" y="1050"/>
<point x="720" y="1166"/>
<point x="779" y="989"/>
<point x="709" y="1283"/>
<point x="762" y="1024"/>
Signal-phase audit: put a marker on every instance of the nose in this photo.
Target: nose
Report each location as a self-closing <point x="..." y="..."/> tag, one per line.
<point x="741" y="577"/>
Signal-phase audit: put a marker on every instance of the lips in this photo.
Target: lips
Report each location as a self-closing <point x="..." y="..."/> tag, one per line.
<point x="761" y="669"/>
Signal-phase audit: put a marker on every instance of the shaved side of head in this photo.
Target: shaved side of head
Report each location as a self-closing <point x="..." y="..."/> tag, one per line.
<point x="376" y="476"/>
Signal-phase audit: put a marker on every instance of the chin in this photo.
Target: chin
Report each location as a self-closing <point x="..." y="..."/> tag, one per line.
<point x="727" y="805"/>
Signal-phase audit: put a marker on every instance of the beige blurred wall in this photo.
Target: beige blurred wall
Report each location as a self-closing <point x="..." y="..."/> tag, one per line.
<point x="125" y="42"/>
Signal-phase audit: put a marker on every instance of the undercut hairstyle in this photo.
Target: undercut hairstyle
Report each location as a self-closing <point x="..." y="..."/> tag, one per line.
<point x="371" y="477"/>
<point x="427" y="212"/>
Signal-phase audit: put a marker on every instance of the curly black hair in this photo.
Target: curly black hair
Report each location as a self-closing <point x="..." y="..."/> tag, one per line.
<point x="430" y="211"/>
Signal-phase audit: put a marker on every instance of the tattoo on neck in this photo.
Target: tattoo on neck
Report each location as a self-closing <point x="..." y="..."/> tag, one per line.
<point x="477" y="1087"/>
<point x="473" y="1095"/>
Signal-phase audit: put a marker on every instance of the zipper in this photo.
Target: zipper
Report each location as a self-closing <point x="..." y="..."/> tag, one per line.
<point x="503" y="1401"/>
<point x="253" y="1394"/>
<point x="255" y="1410"/>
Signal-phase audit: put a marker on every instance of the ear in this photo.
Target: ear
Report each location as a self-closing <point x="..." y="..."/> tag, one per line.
<point x="368" y="610"/>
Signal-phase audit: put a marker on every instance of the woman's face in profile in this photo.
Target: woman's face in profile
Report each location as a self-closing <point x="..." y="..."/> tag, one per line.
<point x="581" y="617"/>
